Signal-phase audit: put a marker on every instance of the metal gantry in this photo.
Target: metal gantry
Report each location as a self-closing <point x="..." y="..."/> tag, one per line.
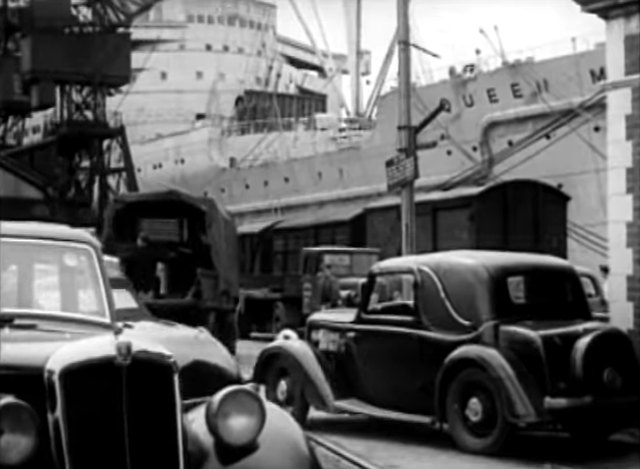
<point x="83" y="157"/>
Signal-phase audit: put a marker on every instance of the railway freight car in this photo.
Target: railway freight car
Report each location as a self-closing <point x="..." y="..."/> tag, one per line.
<point x="515" y="215"/>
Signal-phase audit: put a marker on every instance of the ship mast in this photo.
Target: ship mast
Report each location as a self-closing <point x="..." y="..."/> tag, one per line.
<point x="353" y="13"/>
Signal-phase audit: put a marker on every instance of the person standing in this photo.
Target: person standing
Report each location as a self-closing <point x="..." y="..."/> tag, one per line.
<point x="327" y="287"/>
<point x="140" y="268"/>
<point x="604" y="272"/>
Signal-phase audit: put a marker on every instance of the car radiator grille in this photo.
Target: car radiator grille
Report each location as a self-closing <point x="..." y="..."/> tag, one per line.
<point x="118" y="416"/>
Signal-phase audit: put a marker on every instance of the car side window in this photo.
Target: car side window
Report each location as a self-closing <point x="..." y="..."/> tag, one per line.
<point x="392" y="295"/>
<point x="589" y="286"/>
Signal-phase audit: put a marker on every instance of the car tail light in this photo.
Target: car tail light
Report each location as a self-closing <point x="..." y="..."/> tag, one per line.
<point x="18" y="432"/>
<point x="236" y="416"/>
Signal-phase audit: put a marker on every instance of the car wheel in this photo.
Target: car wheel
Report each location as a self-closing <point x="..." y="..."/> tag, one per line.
<point x="475" y="413"/>
<point x="287" y="391"/>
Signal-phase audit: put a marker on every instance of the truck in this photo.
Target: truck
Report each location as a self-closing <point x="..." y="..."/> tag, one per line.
<point x="193" y="242"/>
<point x="272" y="302"/>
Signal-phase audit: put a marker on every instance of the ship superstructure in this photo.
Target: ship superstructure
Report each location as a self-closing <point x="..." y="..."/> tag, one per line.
<point x="253" y="119"/>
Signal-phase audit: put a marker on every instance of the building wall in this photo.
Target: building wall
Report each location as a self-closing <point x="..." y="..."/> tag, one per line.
<point x="623" y="149"/>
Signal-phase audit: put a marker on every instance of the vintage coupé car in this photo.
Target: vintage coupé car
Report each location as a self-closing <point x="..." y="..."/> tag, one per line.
<point x="79" y="390"/>
<point x="484" y="342"/>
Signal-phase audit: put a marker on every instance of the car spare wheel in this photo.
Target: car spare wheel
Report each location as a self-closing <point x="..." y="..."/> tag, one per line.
<point x="475" y="413"/>
<point x="285" y="388"/>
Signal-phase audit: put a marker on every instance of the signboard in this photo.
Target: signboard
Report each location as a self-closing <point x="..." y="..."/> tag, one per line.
<point x="401" y="171"/>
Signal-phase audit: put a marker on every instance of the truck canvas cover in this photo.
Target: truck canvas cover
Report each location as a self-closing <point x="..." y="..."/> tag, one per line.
<point x="128" y="209"/>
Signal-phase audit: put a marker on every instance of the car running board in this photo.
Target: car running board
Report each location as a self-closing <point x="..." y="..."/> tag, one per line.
<point x="356" y="406"/>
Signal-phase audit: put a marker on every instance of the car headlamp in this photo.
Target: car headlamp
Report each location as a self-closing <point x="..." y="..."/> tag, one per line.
<point x="236" y="416"/>
<point x="18" y="431"/>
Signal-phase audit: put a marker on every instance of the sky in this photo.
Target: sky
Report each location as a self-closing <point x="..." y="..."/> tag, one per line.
<point x="450" y="28"/>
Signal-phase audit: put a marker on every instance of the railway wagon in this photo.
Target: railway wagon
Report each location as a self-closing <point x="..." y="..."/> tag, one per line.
<point x="515" y="215"/>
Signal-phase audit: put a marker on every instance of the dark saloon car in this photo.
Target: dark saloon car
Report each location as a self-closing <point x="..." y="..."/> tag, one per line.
<point x="80" y="390"/>
<point x="484" y="342"/>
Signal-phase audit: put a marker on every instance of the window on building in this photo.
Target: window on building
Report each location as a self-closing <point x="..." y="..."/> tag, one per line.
<point x="163" y="75"/>
<point x="200" y="18"/>
<point x="240" y="50"/>
<point x="191" y="18"/>
<point x="220" y="19"/>
<point x="259" y="53"/>
<point x="207" y="47"/>
<point x="210" y="19"/>
<point x="199" y="75"/>
<point x="221" y="76"/>
<point x="232" y="20"/>
<point x="259" y="26"/>
<point x="252" y="24"/>
<point x="243" y="23"/>
<point x="225" y="48"/>
<point x="258" y="81"/>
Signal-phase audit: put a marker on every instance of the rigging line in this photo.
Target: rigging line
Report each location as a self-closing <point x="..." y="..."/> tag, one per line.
<point x="564" y="119"/>
<point x="588" y="231"/>
<point x="579" y="241"/>
<point x="536" y="153"/>
<point x="586" y="242"/>
<point x="533" y="76"/>
<point x="588" y="237"/>
<point x="425" y="109"/>
<point x="323" y="35"/>
<point x="509" y="152"/>
<point x="583" y="231"/>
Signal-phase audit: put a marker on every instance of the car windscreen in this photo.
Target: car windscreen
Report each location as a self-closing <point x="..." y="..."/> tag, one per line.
<point x="542" y="294"/>
<point x="350" y="264"/>
<point x="51" y="278"/>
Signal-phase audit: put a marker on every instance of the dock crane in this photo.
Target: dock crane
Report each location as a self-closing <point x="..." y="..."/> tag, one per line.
<point x="68" y="56"/>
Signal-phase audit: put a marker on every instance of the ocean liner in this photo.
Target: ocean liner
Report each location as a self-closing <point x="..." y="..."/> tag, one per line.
<point x="223" y="106"/>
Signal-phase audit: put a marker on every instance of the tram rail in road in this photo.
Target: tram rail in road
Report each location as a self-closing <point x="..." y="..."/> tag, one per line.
<point x="345" y="458"/>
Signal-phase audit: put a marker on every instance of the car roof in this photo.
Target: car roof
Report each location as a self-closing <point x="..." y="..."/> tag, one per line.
<point x="492" y="261"/>
<point x="46" y="231"/>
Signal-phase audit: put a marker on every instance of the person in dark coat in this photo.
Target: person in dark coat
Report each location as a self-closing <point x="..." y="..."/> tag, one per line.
<point x="140" y="268"/>
<point x="327" y="287"/>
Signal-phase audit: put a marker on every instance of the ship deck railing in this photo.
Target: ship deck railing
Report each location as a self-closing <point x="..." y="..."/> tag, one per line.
<point x="341" y="126"/>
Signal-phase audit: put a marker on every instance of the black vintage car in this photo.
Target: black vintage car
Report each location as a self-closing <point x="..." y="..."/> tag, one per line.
<point x="78" y="389"/>
<point x="485" y="342"/>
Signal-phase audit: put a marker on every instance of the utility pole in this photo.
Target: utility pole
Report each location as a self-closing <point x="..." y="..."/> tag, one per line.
<point x="406" y="138"/>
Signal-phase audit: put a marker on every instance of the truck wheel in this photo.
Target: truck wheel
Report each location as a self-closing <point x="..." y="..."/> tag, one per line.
<point x="475" y="413"/>
<point x="287" y="391"/>
<point x="279" y="317"/>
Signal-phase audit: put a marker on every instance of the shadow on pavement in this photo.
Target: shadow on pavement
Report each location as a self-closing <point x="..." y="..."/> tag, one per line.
<point x="532" y="448"/>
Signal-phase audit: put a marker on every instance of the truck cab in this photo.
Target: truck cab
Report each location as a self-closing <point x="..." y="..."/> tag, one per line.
<point x="270" y="303"/>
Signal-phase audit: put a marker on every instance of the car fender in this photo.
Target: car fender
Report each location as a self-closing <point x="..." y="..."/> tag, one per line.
<point x="281" y="444"/>
<point x="298" y="354"/>
<point x="519" y="405"/>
